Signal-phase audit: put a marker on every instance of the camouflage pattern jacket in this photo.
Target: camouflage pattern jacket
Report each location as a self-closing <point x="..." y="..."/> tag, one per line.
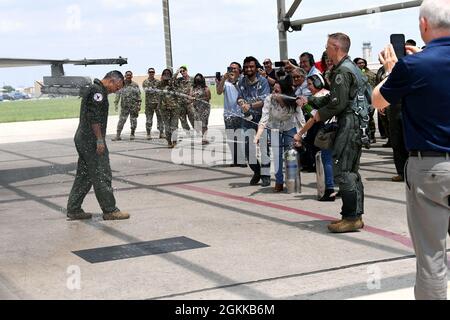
<point x="150" y="95"/>
<point x="129" y="96"/>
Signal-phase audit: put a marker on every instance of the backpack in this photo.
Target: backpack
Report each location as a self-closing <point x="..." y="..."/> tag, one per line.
<point x="361" y="104"/>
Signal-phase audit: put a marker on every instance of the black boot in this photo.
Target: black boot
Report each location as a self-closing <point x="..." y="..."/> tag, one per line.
<point x="328" y="196"/>
<point x="265" y="181"/>
<point x="255" y="179"/>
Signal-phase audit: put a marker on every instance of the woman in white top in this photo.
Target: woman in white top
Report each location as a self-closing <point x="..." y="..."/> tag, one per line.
<point x="284" y="118"/>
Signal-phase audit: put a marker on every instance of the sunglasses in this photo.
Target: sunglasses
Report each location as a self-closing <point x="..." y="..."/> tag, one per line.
<point x="267" y="62"/>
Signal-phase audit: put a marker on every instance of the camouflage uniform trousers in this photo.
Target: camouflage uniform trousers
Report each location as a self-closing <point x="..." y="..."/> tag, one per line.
<point x="133" y="112"/>
<point x="186" y="111"/>
<point x="170" y="117"/>
<point x="201" y="114"/>
<point x="92" y="170"/>
<point x="150" y="109"/>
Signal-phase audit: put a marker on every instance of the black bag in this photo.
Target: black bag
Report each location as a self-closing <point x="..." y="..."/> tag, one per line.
<point x="326" y="135"/>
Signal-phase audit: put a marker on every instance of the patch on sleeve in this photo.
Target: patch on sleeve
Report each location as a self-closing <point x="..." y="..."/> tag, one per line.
<point x="98" y="97"/>
<point x="339" y="79"/>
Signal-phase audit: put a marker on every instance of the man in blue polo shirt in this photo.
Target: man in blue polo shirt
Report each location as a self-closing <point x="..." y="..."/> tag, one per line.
<point x="422" y="81"/>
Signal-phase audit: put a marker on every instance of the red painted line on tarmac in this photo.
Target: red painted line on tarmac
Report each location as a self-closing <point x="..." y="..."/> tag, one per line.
<point x="383" y="233"/>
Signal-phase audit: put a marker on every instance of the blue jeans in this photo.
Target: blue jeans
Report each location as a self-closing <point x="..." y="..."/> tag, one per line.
<point x="327" y="161"/>
<point x="285" y="142"/>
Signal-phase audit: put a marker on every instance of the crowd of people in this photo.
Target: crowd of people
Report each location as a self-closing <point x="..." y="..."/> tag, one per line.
<point x="271" y="107"/>
<point x="172" y="98"/>
<point x="287" y="108"/>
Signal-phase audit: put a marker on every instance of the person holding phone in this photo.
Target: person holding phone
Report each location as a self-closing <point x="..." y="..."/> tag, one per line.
<point x="232" y="113"/>
<point x="421" y="80"/>
<point x="269" y="73"/>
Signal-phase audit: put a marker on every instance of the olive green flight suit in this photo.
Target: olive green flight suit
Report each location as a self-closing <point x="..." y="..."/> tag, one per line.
<point x="347" y="145"/>
<point x="92" y="170"/>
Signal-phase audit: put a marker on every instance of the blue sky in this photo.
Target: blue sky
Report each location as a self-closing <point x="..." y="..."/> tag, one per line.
<point x="206" y="35"/>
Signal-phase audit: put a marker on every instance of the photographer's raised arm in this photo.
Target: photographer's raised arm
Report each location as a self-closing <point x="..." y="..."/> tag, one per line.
<point x="221" y="84"/>
<point x="389" y="60"/>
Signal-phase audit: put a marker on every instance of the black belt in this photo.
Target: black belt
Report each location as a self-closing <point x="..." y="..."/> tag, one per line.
<point x="422" y="154"/>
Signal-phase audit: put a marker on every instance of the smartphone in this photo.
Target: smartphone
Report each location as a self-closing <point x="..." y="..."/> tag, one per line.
<point x="279" y="64"/>
<point x="229" y="69"/>
<point x="218" y="76"/>
<point x="398" y="42"/>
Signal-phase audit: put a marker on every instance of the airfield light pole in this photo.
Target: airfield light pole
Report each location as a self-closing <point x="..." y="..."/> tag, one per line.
<point x="167" y="36"/>
<point x="282" y="32"/>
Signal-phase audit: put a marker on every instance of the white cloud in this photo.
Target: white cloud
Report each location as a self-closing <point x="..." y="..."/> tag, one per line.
<point x="8" y="25"/>
<point x="241" y="2"/>
<point x="73" y="22"/>
<point x="150" y="19"/>
<point x="114" y="4"/>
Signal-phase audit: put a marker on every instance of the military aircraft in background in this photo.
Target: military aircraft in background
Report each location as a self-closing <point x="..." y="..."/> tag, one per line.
<point x="58" y="83"/>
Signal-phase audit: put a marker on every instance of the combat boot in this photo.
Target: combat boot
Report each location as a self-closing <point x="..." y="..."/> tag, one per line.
<point x="337" y="221"/>
<point x="117" y="137"/>
<point x="118" y="215"/>
<point x="346" y="225"/>
<point x="79" y="215"/>
<point x="162" y="135"/>
<point x="132" y="137"/>
<point x="149" y="135"/>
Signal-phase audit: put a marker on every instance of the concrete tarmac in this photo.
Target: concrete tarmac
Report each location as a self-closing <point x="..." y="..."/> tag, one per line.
<point x="258" y="244"/>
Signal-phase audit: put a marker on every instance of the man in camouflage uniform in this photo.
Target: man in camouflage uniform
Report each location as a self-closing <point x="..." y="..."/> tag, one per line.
<point x="93" y="162"/>
<point x="186" y="110"/>
<point x="348" y="143"/>
<point x="152" y="104"/>
<point x="130" y="105"/>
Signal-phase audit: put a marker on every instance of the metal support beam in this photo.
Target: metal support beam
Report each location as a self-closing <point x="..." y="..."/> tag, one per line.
<point x="167" y="36"/>
<point x="293" y="8"/>
<point x="282" y="29"/>
<point x="57" y="70"/>
<point x="298" y="24"/>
